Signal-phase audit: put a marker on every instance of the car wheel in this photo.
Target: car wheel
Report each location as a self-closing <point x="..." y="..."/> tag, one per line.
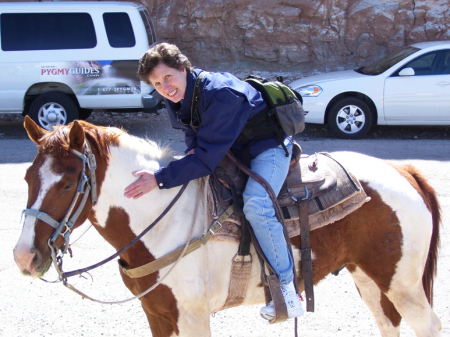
<point x="350" y="118"/>
<point x="53" y="109"/>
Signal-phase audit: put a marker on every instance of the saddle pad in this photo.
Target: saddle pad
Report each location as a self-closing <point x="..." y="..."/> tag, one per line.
<point x="346" y="196"/>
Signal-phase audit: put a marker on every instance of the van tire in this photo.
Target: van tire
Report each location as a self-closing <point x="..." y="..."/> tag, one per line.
<point x="53" y="108"/>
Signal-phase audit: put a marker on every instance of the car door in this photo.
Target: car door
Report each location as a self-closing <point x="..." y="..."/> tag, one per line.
<point x="422" y="98"/>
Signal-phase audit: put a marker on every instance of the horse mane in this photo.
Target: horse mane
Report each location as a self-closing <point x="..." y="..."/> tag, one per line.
<point x="101" y="138"/>
<point x="148" y="148"/>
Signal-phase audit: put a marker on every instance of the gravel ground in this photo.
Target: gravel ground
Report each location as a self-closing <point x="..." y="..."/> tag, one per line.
<point x="32" y="308"/>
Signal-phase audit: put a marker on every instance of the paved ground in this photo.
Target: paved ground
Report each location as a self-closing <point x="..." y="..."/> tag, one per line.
<point x="34" y="308"/>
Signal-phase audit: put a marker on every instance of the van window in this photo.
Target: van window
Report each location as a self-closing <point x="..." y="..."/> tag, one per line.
<point x="46" y="31"/>
<point x="119" y="30"/>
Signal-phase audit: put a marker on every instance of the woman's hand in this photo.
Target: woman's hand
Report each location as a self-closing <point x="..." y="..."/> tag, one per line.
<point x="145" y="183"/>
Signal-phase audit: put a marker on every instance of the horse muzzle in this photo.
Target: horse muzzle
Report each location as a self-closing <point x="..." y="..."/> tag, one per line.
<point x="30" y="261"/>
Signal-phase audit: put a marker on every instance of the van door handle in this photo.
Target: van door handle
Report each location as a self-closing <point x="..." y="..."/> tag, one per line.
<point x="443" y="83"/>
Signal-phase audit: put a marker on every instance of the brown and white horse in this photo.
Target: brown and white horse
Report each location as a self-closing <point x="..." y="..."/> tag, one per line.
<point x="389" y="245"/>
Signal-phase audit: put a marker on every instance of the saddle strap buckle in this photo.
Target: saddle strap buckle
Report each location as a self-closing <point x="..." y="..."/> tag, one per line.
<point x="215" y="227"/>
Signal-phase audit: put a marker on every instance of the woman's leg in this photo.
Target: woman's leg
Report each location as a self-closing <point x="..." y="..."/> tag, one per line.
<point x="273" y="166"/>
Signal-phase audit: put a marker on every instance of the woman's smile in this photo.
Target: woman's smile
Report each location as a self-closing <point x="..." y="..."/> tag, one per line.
<point x="171" y="94"/>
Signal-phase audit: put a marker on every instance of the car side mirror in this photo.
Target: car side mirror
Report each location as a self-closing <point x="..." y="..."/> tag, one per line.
<point x="407" y="72"/>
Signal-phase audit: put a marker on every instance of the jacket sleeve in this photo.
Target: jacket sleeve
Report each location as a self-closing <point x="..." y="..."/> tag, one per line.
<point x="223" y="118"/>
<point x="190" y="138"/>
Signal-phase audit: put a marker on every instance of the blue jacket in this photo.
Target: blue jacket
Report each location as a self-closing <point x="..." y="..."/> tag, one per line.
<point x="225" y="105"/>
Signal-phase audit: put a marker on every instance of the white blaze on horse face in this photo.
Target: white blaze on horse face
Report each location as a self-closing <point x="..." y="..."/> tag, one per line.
<point x="48" y="178"/>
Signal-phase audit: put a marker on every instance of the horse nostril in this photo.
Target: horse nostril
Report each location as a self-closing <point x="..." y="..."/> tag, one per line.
<point x="26" y="272"/>
<point x="37" y="259"/>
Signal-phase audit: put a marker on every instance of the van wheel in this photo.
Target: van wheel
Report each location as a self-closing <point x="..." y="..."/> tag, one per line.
<point x="52" y="109"/>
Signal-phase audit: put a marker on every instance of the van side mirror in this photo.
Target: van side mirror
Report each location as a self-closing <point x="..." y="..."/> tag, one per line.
<point x="407" y="72"/>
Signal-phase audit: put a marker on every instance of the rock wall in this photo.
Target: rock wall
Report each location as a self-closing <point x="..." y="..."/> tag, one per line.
<point x="303" y="35"/>
<point x="295" y="35"/>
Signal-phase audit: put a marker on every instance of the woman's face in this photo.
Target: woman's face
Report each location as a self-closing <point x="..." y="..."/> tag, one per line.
<point x="169" y="82"/>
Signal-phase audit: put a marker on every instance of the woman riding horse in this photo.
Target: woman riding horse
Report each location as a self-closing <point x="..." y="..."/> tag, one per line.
<point x="225" y="105"/>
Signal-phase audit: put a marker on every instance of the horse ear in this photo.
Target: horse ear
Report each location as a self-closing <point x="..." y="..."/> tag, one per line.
<point x="76" y="136"/>
<point x="35" y="132"/>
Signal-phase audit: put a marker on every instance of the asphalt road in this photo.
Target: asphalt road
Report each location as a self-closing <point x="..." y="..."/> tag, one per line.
<point x="34" y="308"/>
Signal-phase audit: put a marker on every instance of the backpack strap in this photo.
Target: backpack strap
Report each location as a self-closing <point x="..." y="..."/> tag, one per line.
<point x="255" y="82"/>
<point x="282" y="90"/>
<point x="254" y="129"/>
<point x="195" y="116"/>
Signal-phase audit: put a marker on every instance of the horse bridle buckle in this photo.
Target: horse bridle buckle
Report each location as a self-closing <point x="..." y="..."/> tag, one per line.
<point x="92" y="163"/>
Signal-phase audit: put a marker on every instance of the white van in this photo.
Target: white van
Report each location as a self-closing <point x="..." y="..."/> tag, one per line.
<point x="61" y="60"/>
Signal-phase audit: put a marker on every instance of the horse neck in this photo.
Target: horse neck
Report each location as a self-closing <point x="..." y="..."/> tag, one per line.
<point x="119" y="219"/>
<point x="186" y="219"/>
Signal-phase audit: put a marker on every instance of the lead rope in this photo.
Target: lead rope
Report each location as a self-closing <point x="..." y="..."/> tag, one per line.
<point x="207" y="285"/>
<point x="157" y="283"/>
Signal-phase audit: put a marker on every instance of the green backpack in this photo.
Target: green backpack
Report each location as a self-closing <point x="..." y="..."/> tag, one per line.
<point x="285" y="104"/>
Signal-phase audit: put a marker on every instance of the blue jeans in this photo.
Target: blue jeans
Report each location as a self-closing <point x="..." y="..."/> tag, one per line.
<point x="273" y="166"/>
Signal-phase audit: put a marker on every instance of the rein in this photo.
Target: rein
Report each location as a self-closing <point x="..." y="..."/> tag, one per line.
<point x="132" y="242"/>
<point x="181" y="255"/>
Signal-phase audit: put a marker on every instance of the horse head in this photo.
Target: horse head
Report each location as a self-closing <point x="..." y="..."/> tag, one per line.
<point x="60" y="190"/>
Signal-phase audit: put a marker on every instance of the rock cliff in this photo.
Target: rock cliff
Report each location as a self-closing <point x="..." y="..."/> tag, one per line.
<point x="301" y="35"/>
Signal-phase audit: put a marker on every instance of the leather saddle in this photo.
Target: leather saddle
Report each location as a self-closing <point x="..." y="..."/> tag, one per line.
<point x="306" y="180"/>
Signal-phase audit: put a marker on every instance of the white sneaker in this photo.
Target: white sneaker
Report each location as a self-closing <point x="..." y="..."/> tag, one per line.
<point x="293" y="304"/>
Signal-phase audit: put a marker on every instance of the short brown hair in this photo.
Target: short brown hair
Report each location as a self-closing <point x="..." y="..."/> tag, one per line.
<point x="167" y="53"/>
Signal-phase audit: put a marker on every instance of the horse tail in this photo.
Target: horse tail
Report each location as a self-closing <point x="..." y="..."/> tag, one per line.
<point x="430" y="198"/>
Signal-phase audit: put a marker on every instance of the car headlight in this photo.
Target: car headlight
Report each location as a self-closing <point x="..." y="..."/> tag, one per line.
<point x="309" y="90"/>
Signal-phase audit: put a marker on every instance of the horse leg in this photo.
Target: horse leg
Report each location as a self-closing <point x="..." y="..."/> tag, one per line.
<point x="190" y="321"/>
<point x="387" y="317"/>
<point x="159" y="306"/>
<point x="159" y="326"/>
<point x="400" y="282"/>
<point x="401" y="285"/>
<point x="412" y="303"/>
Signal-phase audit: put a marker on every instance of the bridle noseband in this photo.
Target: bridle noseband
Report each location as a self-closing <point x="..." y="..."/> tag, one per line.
<point x="87" y="185"/>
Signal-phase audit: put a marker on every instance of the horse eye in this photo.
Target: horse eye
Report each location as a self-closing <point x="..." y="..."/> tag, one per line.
<point x="68" y="187"/>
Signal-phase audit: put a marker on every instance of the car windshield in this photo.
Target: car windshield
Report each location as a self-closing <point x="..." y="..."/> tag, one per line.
<point x="386" y="62"/>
